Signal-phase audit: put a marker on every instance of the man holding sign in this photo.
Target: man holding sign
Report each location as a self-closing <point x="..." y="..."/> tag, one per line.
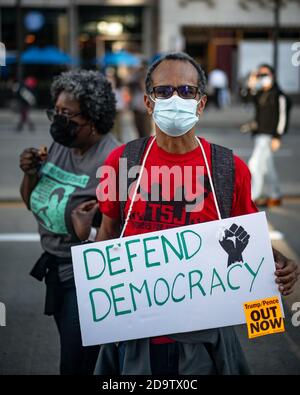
<point x="184" y="182"/>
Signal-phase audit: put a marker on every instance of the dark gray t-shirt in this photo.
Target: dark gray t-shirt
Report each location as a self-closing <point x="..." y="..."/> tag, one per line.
<point x="66" y="180"/>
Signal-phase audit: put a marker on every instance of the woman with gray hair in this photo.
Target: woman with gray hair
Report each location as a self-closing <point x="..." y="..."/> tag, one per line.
<point x="59" y="187"/>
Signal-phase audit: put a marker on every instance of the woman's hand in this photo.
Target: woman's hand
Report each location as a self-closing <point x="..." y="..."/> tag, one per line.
<point x="275" y="144"/>
<point x="287" y="272"/>
<point x="30" y="161"/>
<point x="82" y="218"/>
<point x="252" y="80"/>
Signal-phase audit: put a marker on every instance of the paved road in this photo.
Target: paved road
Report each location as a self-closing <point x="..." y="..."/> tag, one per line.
<point x="220" y="127"/>
<point x="29" y="342"/>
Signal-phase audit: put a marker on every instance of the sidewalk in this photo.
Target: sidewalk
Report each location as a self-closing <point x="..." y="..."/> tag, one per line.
<point x="232" y="116"/>
<point x="238" y="114"/>
<point x="221" y="127"/>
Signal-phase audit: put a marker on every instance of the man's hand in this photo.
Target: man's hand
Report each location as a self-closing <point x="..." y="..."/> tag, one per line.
<point x="287" y="272"/>
<point x="82" y="218"/>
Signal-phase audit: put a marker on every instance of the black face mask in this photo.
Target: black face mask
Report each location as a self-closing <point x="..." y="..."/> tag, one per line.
<point x="64" y="131"/>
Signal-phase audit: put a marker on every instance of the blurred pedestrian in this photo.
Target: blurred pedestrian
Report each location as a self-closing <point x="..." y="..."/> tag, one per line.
<point x="59" y="187"/>
<point x="271" y="122"/>
<point x="218" y="84"/>
<point x="136" y="85"/>
<point x="122" y="99"/>
<point x="26" y="99"/>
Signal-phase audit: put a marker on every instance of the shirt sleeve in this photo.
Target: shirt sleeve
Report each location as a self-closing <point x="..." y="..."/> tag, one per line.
<point x="282" y="116"/>
<point x="108" y="191"/>
<point x="242" y="202"/>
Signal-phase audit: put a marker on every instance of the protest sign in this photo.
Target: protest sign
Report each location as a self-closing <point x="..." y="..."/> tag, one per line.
<point x="178" y="280"/>
<point x="263" y="317"/>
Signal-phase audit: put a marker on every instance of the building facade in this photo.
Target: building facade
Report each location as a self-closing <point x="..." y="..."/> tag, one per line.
<point x="83" y="28"/>
<point x="218" y="33"/>
<point x="224" y="34"/>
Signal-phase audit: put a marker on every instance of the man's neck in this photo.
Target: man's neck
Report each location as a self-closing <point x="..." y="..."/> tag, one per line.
<point x="177" y="145"/>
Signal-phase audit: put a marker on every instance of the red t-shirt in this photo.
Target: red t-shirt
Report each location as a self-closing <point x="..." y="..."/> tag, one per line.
<point x="170" y="210"/>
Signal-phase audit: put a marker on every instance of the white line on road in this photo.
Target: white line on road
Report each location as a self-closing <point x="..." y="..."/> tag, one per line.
<point x="19" y="237"/>
<point x="283" y="153"/>
<point x="274" y="235"/>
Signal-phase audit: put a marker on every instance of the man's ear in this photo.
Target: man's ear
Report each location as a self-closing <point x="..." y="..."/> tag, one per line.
<point x="149" y="104"/>
<point x="201" y="105"/>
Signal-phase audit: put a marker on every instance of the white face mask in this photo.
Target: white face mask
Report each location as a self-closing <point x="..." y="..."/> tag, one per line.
<point x="264" y="82"/>
<point x="175" y="116"/>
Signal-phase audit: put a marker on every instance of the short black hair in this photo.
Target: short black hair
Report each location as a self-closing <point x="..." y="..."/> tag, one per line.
<point x="183" y="57"/>
<point x="267" y="66"/>
<point x="93" y="92"/>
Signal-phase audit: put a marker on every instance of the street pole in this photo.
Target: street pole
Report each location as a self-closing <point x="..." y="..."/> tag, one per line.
<point x="19" y="31"/>
<point x="1" y="25"/>
<point x="277" y="5"/>
<point x="147" y="31"/>
<point x="73" y="29"/>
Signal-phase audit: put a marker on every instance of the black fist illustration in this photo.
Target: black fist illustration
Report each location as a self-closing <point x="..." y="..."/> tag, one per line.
<point x="234" y="240"/>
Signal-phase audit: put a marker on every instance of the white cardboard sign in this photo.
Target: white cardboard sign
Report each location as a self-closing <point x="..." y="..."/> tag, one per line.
<point x="178" y="280"/>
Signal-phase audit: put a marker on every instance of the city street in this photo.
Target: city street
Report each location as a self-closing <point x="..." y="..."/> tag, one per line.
<point x="29" y="342"/>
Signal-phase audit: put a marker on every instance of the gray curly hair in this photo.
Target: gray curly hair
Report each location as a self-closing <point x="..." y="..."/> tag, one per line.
<point x="93" y="92"/>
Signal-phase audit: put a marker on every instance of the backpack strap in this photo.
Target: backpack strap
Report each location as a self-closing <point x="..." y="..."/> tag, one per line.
<point x="133" y="152"/>
<point x="223" y="174"/>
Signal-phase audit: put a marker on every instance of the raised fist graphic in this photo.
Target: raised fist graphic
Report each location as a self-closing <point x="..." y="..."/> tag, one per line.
<point x="234" y="240"/>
